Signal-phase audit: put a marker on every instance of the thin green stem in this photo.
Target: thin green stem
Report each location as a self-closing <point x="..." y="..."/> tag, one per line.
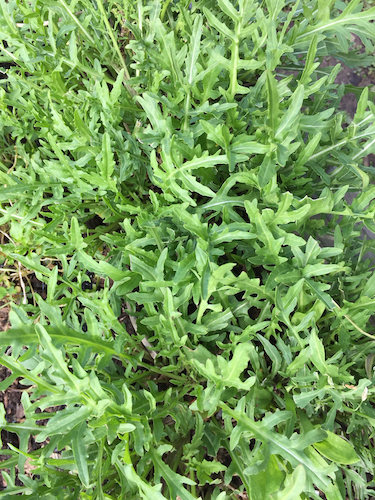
<point x="77" y="22"/>
<point x="140" y="24"/>
<point x="117" y="48"/>
<point x="341" y="143"/>
<point x="187" y="107"/>
<point x="158" y="370"/>
<point x="233" y="73"/>
<point x="239" y="467"/>
<point x="99" y="480"/>
<point x="88" y="70"/>
<point x="177" y="460"/>
<point x="234" y="59"/>
<point x="193" y="486"/>
<point x="364" y="149"/>
<point x="201" y="310"/>
<point x="164" y="10"/>
<point x="358" y="328"/>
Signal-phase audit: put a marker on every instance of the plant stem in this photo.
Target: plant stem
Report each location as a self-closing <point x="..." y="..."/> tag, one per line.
<point x="193" y="486"/>
<point x="117" y="48"/>
<point x="187" y="106"/>
<point x="77" y="22"/>
<point x="233" y="73"/>
<point x="165" y="7"/>
<point x="234" y="59"/>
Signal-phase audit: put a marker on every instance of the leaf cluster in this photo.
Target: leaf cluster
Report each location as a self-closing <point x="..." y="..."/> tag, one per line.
<point x="176" y="176"/>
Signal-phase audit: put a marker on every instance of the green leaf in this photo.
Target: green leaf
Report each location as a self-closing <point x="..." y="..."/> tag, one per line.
<point x="75" y="235"/>
<point x="73" y="48"/>
<point x="218" y="25"/>
<point x="369" y="288"/>
<point x="76" y="21"/>
<point x="231" y="370"/>
<point x="318" y="289"/>
<point x="205" y="161"/>
<point x="80" y="453"/>
<point x="273" y="103"/>
<point x="280" y="444"/>
<point x="107" y="163"/>
<point x="206" y="468"/>
<point x="191" y="59"/>
<point x="117" y="87"/>
<point x="308" y="150"/>
<point x="147" y="492"/>
<point x="369" y="365"/>
<point x="321" y="269"/>
<point x="266" y="482"/>
<point x="80" y="125"/>
<point x="214" y="133"/>
<point x="173" y="480"/>
<point x="289" y="119"/>
<point x="229" y="10"/>
<point x="303" y="399"/>
<point x="272" y="353"/>
<point x="267" y="170"/>
<point x="153" y="113"/>
<point x="101" y="267"/>
<point x="347" y="17"/>
<point x="309" y="65"/>
<point x="338" y="450"/>
<point x="318" y="356"/>
<point x="246" y="146"/>
<point x="64" y="421"/>
<point x="55" y="356"/>
<point x="31" y="264"/>
<point x="296" y="484"/>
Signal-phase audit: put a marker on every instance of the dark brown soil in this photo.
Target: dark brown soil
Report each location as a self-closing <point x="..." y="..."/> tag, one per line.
<point x="359" y="77"/>
<point x="11" y="399"/>
<point x="4" y="321"/>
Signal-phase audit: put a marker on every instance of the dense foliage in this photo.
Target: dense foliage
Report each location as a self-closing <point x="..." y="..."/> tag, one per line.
<point x="175" y="176"/>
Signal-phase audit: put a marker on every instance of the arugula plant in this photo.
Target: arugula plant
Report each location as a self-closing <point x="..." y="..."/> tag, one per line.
<point x="170" y="173"/>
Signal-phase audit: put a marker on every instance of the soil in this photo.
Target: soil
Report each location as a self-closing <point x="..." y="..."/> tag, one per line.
<point x="4" y="318"/>
<point x="11" y="399"/>
<point x="359" y="77"/>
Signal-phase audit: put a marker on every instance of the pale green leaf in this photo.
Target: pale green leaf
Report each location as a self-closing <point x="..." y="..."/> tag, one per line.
<point x="337" y="449"/>
<point x="218" y="25"/>
<point x="267" y="170"/>
<point x="80" y="453"/>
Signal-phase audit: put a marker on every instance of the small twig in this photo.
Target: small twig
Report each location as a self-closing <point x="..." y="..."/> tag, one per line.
<point x="14" y="163"/>
<point x="21" y="25"/>
<point x="19" y="269"/>
<point x="7" y="236"/>
<point x="146" y="344"/>
<point x="32" y="290"/>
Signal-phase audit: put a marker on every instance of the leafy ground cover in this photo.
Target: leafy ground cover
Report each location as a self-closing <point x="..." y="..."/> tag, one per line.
<point x="172" y="173"/>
